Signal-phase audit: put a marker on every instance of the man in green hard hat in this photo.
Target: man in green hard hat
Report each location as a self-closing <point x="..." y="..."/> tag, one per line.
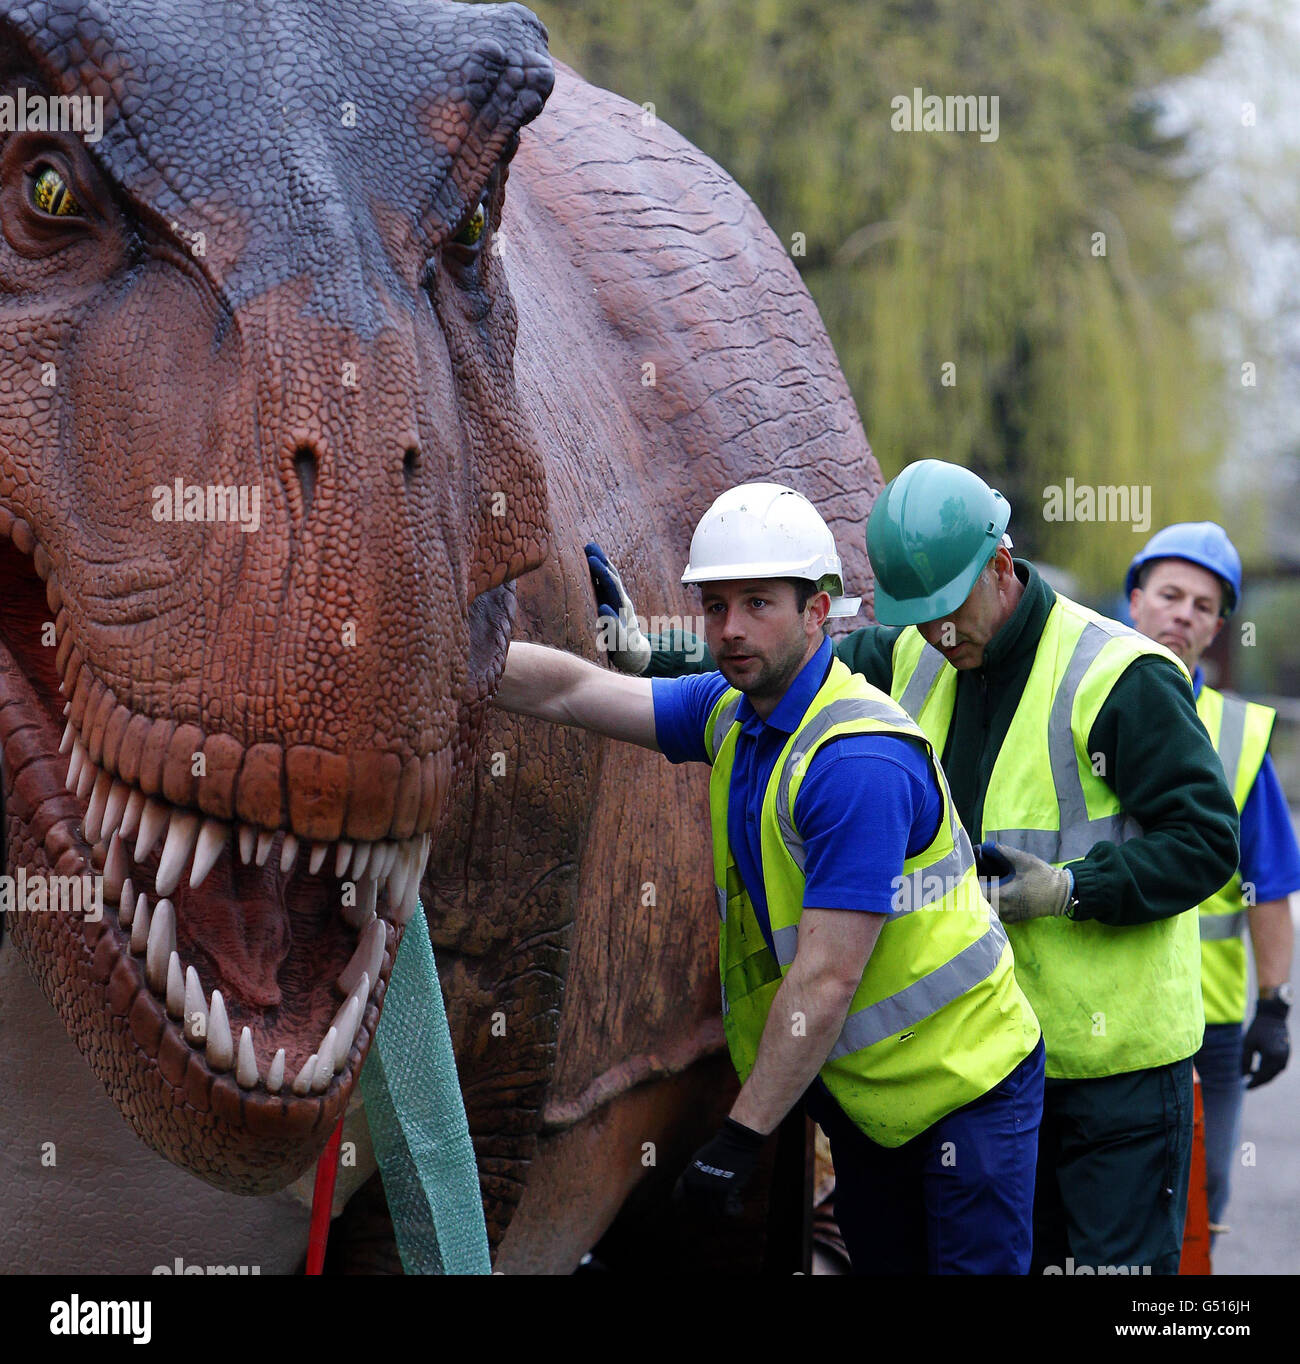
<point x="1072" y="747"/>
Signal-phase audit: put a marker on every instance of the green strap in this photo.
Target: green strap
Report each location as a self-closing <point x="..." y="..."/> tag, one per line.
<point x="417" y="1121"/>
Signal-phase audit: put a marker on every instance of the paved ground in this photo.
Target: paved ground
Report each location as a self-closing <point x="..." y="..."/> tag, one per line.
<point x="1264" y="1211"/>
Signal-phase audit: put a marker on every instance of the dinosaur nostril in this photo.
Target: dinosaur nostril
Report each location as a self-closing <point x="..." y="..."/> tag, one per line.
<point x="411" y="461"/>
<point x="304" y="464"/>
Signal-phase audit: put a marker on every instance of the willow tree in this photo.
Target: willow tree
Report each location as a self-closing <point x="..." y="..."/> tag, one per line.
<point x="1021" y="305"/>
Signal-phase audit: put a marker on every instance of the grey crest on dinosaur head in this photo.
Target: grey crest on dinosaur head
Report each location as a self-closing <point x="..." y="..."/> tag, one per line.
<point x="272" y="276"/>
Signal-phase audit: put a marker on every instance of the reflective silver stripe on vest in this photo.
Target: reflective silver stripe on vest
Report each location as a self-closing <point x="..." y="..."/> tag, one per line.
<point x="922" y="680"/>
<point x="1232" y="730"/>
<point x="726" y="718"/>
<point x="722" y="902"/>
<point x="836" y="713"/>
<point x="1217" y="927"/>
<point x="923" y="998"/>
<point x="786" y="942"/>
<point x="913" y="891"/>
<point x="1077" y="834"/>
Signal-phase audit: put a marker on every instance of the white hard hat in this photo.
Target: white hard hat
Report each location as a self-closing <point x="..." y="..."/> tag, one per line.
<point x="766" y="530"/>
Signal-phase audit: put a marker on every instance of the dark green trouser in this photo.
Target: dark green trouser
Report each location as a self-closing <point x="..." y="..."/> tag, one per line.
<point x="1114" y="1157"/>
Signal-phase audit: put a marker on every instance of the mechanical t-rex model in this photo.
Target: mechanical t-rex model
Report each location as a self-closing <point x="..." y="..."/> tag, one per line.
<point x="291" y="271"/>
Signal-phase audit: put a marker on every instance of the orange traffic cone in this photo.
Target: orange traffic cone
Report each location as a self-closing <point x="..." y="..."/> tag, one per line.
<point x="1196" y="1230"/>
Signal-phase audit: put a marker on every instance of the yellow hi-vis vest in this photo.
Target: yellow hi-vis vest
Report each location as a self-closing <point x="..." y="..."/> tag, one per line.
<point x="1110" y="999"/>
<point x="1240" y="731"/>
<point x="938" y="1019"/>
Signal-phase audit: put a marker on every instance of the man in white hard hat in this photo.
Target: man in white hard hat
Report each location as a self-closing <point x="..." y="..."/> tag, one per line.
<point x="862" y="968"/>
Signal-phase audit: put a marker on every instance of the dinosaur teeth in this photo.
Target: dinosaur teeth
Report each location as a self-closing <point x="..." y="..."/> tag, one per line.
<point x="196" y="1009"/>
<point x="265" y="838"/>
<point x="140" y="925"/>
<point x="220" y="1051"/>
<point x="288" y="853"/>
<point x="318" y="851"/>
<point x="275" y="1076"/>
<point x="177" y="850"/>
<point x="345" y="1024"/>
<point x="131" y="817"/>
<point x="69" y="738"/>
<point x="247" y="843"/>
<point x="86" y="778"/>
<point x="153" y="820"/>
<point x="306" y="1075"/>
<point x="325" y="1062"/>
<point x="115" y="808"/>
<point x="213" y="837"/>
<point x="367" y="958"/>
<point x="116" y="866"/>
<point x="95" y="810"/>
<point x="343" y="860"/>
<point x="359" y="860"/>
<point x="161" y="946"/>
<point x="246" y="1066"/>
<point x="126" y="904"/>
<point x="75" y="764"/>
<point x="175" y="986"/>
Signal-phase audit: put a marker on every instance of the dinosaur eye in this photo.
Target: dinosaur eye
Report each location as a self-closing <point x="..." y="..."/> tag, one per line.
<point x="50" y="193"/>
<point x="472" y="232"/>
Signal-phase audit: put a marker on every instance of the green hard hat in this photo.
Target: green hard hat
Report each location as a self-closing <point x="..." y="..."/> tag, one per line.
<point x="931" y="532"/>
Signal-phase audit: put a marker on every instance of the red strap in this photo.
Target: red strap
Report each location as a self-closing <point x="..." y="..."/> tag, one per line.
<point x="322" y="1200"/>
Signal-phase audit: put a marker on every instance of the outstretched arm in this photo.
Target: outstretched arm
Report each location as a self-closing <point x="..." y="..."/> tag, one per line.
<point x="553" y="685"/>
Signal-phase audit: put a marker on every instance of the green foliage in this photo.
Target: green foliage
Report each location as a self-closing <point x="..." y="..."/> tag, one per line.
<point x="933" y="248"/>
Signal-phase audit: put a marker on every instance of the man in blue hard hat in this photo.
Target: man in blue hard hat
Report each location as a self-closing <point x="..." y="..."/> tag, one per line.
<point x="1182" y="586"/>
<point x="1072" y="743"/>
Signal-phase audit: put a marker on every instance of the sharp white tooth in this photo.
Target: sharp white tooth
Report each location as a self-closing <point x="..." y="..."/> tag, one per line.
<point x="67" y="710"/>
<point x="368" y="957"/>
<point x="346" y="1026"/>
<point x="305" y="1076"/>
<point x="344" y="858"/>
<point x="175" y="986"/>
<point x="410" y="897"/>
<point x="264" y="840"/>
<point x="126" y="904"/>
<point x="318" y="851"/>
<point x="153" y="820"/>
<point x="176" y="851"/>
<point x="115" y="808"/>
<point x="213" y="837"/>
<point x="131" y="819"/>
<point x="396" y="887"/>
<point x="69" y="738"/>
<point x="95" y="810"/>
<point x="140" y="925"/>
<point x="359" y="860"/>
<point x="247" y="842"/>
<point x="288" y="852"/>
<point x="325" y="1063"/>
<point x="75" y="764"/>
<point x="275" y="1076"/>
<point x="87" y="778"/>
<point x="246" y="1068"/>
<point x="391" y="851"/>
<point x="162" y="944"/>
<point x="220" y="1051"/>
<point x="116" y="866"/>
<point x="196" y="1010"/>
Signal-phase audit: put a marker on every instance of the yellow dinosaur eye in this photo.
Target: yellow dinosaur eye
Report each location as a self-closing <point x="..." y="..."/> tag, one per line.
<point x="51" y="194"/>
<point x="470" y="234"/>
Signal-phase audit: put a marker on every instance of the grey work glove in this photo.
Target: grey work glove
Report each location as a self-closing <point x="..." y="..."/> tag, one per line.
<point x="618" y="631"/>
<point x="1021" y="886"/>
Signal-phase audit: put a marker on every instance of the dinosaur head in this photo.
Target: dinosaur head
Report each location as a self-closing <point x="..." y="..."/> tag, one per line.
<point x="264" y="484"/>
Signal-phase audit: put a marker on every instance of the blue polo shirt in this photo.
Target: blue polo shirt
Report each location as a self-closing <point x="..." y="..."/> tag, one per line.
<point x="1270" y="858"/>
<point x="867" y="802"/>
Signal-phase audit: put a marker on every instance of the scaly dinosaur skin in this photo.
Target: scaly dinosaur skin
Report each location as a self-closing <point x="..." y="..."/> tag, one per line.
<point x="258" y="289"/>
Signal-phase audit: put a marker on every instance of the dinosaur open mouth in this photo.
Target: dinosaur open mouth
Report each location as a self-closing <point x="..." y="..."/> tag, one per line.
<point x="238" y="970"/>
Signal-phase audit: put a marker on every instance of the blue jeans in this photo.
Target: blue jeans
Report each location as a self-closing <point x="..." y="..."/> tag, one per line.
<point x="957" y="1199"/>
<point x="1222" y="1085"/>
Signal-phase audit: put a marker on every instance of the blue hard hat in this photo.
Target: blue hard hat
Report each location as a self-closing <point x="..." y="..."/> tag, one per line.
<point x="1200" y="542"/>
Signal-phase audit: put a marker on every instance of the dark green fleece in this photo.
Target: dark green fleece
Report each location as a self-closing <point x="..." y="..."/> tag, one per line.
<point x="1158" y="760"/>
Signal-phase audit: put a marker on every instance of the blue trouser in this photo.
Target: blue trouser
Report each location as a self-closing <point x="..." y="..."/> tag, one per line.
<point x="957" y="1199"/>
<point x="1222" y="1086"/>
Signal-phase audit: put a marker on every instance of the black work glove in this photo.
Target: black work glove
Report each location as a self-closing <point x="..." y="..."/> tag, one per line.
<point x="627" y="647"/>
<point x="1266" y="1038"/>
<point x="721" y="1168"/>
